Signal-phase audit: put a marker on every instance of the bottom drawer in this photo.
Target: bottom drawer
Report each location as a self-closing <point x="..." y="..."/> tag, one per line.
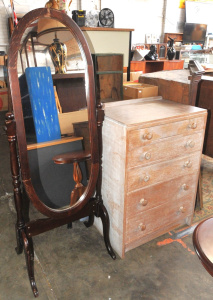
<point x="159" y="217"/>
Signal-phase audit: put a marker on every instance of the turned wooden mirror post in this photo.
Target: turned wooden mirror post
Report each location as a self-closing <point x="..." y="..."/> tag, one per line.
<point x="89" y="202"/>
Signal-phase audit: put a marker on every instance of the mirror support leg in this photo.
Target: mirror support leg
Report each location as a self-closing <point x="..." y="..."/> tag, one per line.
<point x="103" y="214"/>
<point x="101" y="210"/>
<point x="90" y="221"/>
<point x="29" y="255"/>
<point x="11" y="136"/>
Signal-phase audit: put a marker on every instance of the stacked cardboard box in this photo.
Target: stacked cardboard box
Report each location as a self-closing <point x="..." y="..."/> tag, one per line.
<point x="134" y="76"/>
<point x="133" y="90"/>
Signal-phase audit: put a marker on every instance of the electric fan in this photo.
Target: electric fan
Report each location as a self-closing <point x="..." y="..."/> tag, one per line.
<point x="106" y="18"/>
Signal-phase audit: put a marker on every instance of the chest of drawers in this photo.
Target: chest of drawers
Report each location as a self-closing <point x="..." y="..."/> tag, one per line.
<point x="151" y="160"/>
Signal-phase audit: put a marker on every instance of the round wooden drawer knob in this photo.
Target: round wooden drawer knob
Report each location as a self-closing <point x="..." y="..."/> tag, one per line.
<point x="143" y="202"/>
<point x="185" y="187"/>
<point x="188" y="164"/>
<point x="147" y="136"/>
<point x="190" y="144"/>
<point x="182" y="209"/>
<point x="142" y="227"/>
<point x="193" y="125"/>
<point x="146" y="178"/>
<point x="146" y="155"/>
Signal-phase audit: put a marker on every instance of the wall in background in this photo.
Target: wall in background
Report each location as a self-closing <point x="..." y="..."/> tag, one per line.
<point x="174" y="17"/>
<point x="24" y="6"/>
<point x="145" y="16"/>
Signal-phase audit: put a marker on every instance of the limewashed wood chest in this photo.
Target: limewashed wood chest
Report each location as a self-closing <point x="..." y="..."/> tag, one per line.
<point x="151" y="161"/>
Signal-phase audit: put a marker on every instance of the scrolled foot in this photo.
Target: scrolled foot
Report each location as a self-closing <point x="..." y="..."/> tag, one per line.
<point x="103" y="214"/>
<point x="34" y="288"/>
<point x="29" y="255"/>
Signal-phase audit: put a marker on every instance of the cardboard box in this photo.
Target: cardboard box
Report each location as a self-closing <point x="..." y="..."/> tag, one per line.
<point x="2" y="60"/>
<point x="66" y="120"/>
<point x="139" y="90"/>
<point x="3" y="99"/>
<point x="133" y="76"/>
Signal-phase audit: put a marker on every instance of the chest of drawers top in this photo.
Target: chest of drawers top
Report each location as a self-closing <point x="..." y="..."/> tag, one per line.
<point x="149" y="112"/>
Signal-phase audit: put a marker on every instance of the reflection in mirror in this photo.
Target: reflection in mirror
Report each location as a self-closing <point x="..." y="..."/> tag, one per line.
<point x="55" y="111"/>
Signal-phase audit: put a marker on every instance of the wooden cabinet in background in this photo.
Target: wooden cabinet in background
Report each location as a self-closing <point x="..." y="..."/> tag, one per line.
<point x="71" y="90"/>
<point x="177" y="36"/>
<point x="151" y="160"/>
<point x="148" y="66"/>
<point x="108" y="69"/>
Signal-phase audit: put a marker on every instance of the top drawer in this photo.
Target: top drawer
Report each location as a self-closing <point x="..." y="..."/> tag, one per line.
<point x="141" y="137"/>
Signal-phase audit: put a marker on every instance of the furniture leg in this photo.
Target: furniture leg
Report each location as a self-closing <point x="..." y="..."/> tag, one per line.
<point x="11" y="136"/>
<point x="19" y="248"/>
<point x="101" y="210"/>
<point x="90" y="221"/>
<point x="29" y="255"/>
<point x="103" y="214"/>
<point x="69" y="225"/>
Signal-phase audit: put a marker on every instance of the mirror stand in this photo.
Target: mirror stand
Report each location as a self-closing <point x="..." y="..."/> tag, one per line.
<point x="90" y="204"/>
<point x="25" y="230"/>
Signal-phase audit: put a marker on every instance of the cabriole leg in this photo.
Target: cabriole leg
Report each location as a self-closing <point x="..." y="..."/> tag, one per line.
<point x="29" y="255"/>
<point x="103" y="214"/>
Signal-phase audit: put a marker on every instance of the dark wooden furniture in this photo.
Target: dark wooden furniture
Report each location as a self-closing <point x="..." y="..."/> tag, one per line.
<point x="159" y="46"/>
<point x="110" y="40"/>
<point x="177" y="36"/>
<point x="108" y="69"/>
<point x="203" y="243"/>
<point x="71" y="91"/>
<point x="24" y="191"/>
<point x="155" y="66"/>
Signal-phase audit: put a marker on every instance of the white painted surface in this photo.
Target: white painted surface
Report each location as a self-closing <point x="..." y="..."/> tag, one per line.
<point x="109" y="42"/>
<point x="145" y="16"/>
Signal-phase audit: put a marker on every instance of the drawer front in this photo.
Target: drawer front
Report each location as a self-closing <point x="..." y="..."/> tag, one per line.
<point x="150" y="197"/>
<point x="154" y="219"/>
<point x="165" y="149"/>
<point x="140" y="177"/>
<point x="142" y="137"/>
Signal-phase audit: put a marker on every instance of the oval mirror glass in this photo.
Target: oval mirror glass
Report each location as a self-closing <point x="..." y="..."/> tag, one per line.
<point x="52" y="74"/>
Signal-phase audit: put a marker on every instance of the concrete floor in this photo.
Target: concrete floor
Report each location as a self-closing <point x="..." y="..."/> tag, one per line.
<point x="74" y="264"/>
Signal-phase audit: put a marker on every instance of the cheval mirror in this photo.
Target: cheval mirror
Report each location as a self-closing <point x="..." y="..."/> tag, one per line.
<point x="50" y="164"/>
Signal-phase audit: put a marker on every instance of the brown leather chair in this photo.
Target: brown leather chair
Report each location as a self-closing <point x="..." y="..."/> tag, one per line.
<point x="203" y="243"/>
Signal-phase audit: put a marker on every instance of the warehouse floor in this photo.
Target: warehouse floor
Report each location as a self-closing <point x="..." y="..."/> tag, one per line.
<point x="73" y="264"/>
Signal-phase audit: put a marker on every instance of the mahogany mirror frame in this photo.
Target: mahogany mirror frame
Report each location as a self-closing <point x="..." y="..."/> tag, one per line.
<point x="17" y="110"/>
<point x="88" y="204"/>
